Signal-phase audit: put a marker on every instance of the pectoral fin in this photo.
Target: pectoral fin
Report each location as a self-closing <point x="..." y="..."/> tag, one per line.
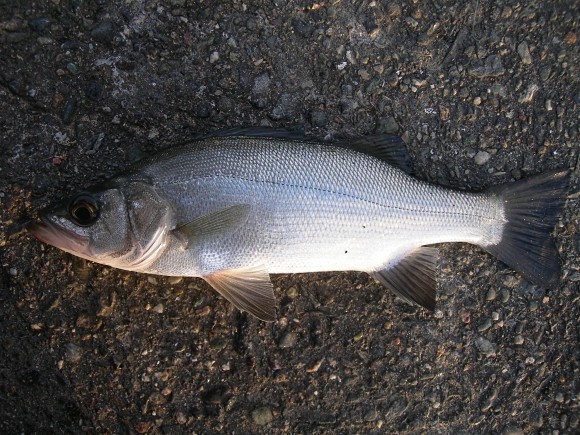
<point x="248" y="289"/>
<point x="413" y="277"/>
<point x="219" y="223"/>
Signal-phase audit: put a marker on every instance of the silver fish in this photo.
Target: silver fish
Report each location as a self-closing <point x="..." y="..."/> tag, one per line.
<point x="234" y="207"/>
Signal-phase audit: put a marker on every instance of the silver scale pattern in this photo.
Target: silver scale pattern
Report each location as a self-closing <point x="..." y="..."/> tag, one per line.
<point x="315" y="207"/>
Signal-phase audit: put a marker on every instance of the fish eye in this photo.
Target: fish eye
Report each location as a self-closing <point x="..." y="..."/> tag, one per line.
<point x="84" y="210"/>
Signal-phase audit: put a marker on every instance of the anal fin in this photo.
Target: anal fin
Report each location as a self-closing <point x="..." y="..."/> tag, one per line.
<point x="248" y="289"/>
<point x="413" y="277"/>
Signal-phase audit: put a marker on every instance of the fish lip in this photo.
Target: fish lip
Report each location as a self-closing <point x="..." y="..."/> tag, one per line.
<point x="48" y="232"/>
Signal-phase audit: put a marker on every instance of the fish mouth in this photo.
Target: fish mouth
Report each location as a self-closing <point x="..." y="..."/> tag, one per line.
<point x="48" y="232"/>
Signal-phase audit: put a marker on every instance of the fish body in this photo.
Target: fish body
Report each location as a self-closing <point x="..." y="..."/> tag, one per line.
<point x="235" y="207"/>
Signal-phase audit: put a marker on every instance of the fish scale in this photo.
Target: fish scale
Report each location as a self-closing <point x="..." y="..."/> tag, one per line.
<point x="318" y="201"/>
<point x="234" y="207"/>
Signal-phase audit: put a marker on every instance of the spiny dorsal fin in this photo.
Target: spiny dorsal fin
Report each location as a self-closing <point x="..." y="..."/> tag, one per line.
<point x="385" y="147"/>
<point x="248" y="289"/>
<point x="216" y="224"/>
<point x="290" y="133"/>
<point x="413" y="277"/>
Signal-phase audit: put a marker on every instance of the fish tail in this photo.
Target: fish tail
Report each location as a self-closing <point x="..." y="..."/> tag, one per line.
<point x="531" y="208"/>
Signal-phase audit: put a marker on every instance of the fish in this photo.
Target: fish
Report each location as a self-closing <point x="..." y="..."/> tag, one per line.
<point x="237" y="205"/>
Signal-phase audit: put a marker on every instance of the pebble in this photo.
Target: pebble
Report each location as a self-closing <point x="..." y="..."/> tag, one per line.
<point x="485" y="346"/>
<point x="285" y="107"/>
<point x="529" y="93"/>
<point x="491" y="294"/>
<point x="499" y="90"/>
<point x="524" y="52"/>
<point x="73" y="353"/>
<point x="180" y="417"/>
<point x="513" y="430"/>
<point x="485" y="325"/>
<point x="481" y="158"/>
<point x="288" y="340"/>
<point x="519" y="340"/>
<point x="94" y="91"/>
<point x="302" y="28"/>
<point x="38" y="24"/>
<point x="261" y="84"/>
<point x="104" y="32"/>
<point x="158" y="309"/>
<point x="174" y="280"/>
<point x="292" y="292"/>
<point x="491" y="68"/>
<point x="262" y="415"/>
<point x="214" y="57"/>
<point x="318" y="118"/>
<point x="387" y="125"/>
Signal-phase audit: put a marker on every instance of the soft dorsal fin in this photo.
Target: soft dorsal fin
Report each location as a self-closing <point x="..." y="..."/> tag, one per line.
<point x="385" y="147"/>
<point x="248" y="289"/>
<point x="413" y="277"/>
<point x="219" y="223"/>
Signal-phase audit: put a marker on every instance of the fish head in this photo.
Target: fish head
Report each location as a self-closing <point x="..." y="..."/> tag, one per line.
<point x="125" y="226"/>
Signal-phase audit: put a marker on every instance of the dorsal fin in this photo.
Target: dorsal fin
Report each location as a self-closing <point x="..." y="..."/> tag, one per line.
<point x="385" y="147"/>
<point x="290" y="133"/>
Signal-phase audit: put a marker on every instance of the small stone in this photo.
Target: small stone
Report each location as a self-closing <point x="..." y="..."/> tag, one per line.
<point x="292" y="293"/>
<point x="152" y="280"/>
<point x="477" y="101"/>
<point x="394" y="10"/>
<point x="491" y="294"/>
<point x="303" y="28"/>
<point x="387" y="125"/>
<point x="158" y="309"/>
<point x="73" y="353"/>
<point x="180" y="418"/>
<point x="203" y="110"/>
<point x="214" y="57"/>
<point x="524" y="52"/>
<point x="570" y="38"/>
<point x="505" y="295"/>
<point x="143" y="426"/>
<point x="261" y="84"/>
<point x="174" y="280"/>
<point x="288" y="340"/>
<point x="38" y="24"/>
<point x="548" y="105"/>
<point x="513" y="430"/>
<point x="491" y="68"/>
<point x="318" y="118"/>
<point x="485" y="346"/>
<point x="485" y="325"/>
<point x="481" y="158"/>
<point x="371" y="415"/>
<point x="262" y="415"/>
<point x="519" y="340"/>
<point x="499" y="90"/>
<point x="315" y="367"/>
<point x="529" y="93"/>
<point x="104" y="32"/>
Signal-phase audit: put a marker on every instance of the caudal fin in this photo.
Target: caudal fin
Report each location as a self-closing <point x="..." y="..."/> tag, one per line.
<point x="531" y="208"/>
